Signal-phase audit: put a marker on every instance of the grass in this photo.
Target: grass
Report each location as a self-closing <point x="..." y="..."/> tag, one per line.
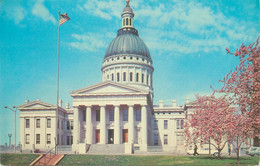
<point x="154" y="160"/>
<point x="26" y="159"/>
<point x="17" y="159"/>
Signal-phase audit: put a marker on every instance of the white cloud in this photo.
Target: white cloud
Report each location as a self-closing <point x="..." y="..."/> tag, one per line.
<point x="13" y="11"/>
<point x="104" y="9"/>
<point x="41" y="11"/>
<point x="178" y="26"/>
<point x="20" y="14"/>
<point x="191" y="28"/>
<point x="91" y="41"/>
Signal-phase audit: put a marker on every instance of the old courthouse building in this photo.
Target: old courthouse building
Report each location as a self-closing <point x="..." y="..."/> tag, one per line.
<point x="117" y="113"/>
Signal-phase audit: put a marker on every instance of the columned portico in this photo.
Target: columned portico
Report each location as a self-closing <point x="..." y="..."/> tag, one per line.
<point x="89" y="126"/>
<point x="103" y="125"/>
<point x="131" y="123"/>
<point x="117" y="125"/>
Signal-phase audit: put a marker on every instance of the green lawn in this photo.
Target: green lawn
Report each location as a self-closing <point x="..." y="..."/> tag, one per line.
<point x="26" y="159"/>
<point x="153" y="160"/>
<point x="17" y="159"/>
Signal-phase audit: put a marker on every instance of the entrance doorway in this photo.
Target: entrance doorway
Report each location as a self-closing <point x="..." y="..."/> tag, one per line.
<point x="125" y="135"/>
<point x="97" y="136"/>
<point x="111" y="136"/>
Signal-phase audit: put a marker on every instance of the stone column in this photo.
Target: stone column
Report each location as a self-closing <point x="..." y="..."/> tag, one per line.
<point x="144" y="125"/>
<point x="76" y="127"/>
<point x="131" y="124"/>
<point x="103" y="125"/>
<point x="22" y="132"/>
<point x="89" y="126"/>
<point x="117" y="135"/>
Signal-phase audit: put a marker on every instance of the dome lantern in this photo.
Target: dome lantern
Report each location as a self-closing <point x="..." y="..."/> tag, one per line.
<point x="127" y="15"/>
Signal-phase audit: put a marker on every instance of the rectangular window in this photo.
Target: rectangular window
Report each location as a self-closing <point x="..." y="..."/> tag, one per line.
<point x="48" y="123"/>
<point x="97" y="115"/>
<point x="179" y="124"/>
<point x="71" y="125"/>
<point x="27" y="123"/>
<point x="58" y="123"/>
<point x="58" y="139"/>
<point x="165" y="138"/>
<point x="27" y="138"/>
<point x="155" y="125"/>
<point x="71" y="139"/>
<point x="138" y="115"/>
<point x="61" y="139"/>
<point x="48" y="138"/>
<point x="111" y="115"/>
<point x="68" y="125"/>
<point x="38" y="139"/>
<point x="125" y="115"/>
<point x="165" y="124"/>
<point x="38" y="123"/>
<point x="62" y="124"/>
<point x="155" y="139"/>
<point x="84" y="115"/>
<point x="68" y="140"/>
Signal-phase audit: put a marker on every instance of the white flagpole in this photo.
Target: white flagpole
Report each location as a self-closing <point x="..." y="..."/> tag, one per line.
<point x="57" y="110"/>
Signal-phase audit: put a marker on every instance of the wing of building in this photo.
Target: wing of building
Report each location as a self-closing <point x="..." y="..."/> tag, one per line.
<point x="117" y="112"/>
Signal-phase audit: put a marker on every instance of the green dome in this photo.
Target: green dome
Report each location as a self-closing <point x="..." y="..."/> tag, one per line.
<point x="127" y="42"/>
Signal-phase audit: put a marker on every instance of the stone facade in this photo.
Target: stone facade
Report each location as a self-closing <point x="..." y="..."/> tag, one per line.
<point x="119" y="110"/>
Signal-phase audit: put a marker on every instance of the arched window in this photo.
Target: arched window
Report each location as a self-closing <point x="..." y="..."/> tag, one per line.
<point x="131" y="76"/>
<point x="130" y="20"/>
<point x="124" y="76"/>
<point x="147" y="79"/>
<point x="112" y="77"/>
<point x="126" y="21"/>
<point x="137" y="77"/>
<point x="142" y="78"/>
<point x="117" y="77"/>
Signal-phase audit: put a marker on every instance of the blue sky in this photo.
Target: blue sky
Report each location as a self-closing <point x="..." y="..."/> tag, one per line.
<point x="187" y="41"/>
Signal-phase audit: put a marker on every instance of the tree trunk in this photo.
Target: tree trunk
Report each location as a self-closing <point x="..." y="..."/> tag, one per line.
<point x="209" y="148"/>
<point x="219" y="153"/>
<point x="238" y="156"/>
<point x="237" y="153"/>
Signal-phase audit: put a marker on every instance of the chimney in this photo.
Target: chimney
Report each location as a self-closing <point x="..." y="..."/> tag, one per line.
<point x="160" y="103"/>
<point x="187" y="100"/>
<point x="67" y="105"/>
<point x="27" y="101"/>
<point x="60" y="103"/>
<point x="174" y="103"/>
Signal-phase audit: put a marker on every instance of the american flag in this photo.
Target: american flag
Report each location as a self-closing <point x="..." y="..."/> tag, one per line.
<point x="63" y="18"/>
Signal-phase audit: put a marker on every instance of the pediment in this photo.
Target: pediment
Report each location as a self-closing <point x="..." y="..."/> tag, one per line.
<point x="107" y="88"/>
<point x="37" y="105"/>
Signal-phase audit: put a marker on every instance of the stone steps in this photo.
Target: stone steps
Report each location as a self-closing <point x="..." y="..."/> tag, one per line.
<point x="106" y="149"/>
<point x="48" y="159"/>
<point x="64" y="149"/>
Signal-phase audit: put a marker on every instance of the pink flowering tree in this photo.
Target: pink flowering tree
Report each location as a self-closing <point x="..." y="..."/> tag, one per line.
<point x="210" y="120"/>
<point x="240" y="130"/>
<point x="242" y="85"/>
